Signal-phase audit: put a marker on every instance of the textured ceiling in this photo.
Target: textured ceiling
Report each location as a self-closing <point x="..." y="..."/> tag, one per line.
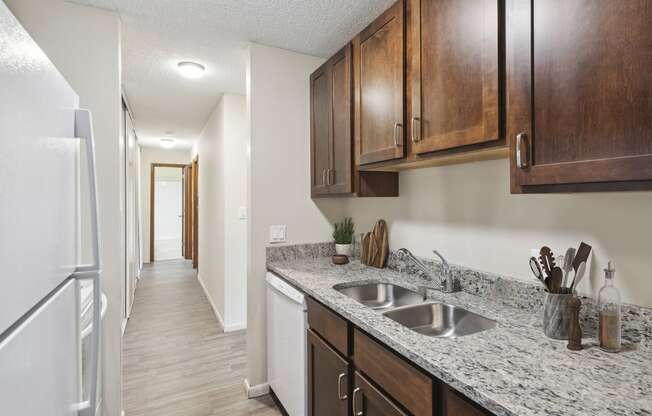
<point x="156" y="34"/>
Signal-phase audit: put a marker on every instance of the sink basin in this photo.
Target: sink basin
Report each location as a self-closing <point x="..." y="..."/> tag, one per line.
<point x="382" y="295"/>
<point x="440" y="320"/>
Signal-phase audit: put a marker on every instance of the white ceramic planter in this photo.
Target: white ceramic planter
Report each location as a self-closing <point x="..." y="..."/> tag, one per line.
<point x="343" y="249"/>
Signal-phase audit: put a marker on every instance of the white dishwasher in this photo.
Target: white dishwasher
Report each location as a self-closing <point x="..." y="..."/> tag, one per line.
<point x="287" y="321"/>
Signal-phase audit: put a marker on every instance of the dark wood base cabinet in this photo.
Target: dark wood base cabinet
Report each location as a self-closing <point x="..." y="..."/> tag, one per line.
<point x="369" y="401"/>
<point x="328" y="379"/>
<point x="352" y="374"/>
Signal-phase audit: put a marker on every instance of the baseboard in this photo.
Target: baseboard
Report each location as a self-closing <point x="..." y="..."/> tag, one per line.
<point x="255" y="391"/>
<point x="210" y="301"/>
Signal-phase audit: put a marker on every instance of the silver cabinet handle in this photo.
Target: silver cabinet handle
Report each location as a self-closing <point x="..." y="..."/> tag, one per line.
<point x="521" y="160"/>
<point x="323" y="177"/>
<point x="84" y="130"/>
<point x="339" y="387"/>
<point x="355" y="412"/>
<point x="413" y="127"/>
<point x="331" y="177"/>
<point x="397" y="127"/>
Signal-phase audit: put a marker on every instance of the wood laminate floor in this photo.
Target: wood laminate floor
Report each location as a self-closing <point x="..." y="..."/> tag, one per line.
<point x="177" y="360"/>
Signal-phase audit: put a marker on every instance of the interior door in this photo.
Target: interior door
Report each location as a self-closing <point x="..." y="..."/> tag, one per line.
<point x="320" y="129"/>
<point x="380" y="87"/>
<point x="342" y="112"/>
<point x="580" y="91"/>
<point x="454" y="73"/>
<point x="328" y="375"/>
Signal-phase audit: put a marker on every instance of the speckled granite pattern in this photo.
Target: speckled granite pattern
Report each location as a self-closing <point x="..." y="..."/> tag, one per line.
<point x="512" y="369"/>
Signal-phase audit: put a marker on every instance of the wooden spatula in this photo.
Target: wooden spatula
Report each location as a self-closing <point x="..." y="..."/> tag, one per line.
<point x="582" y="255"/>
<point x="556" y="280"/>
<point x="547" y="260"/>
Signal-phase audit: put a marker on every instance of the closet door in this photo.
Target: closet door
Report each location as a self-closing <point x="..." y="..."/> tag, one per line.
<point x="380" y="87"/>
<point x="579" y="92"/>
<point x="454" y="73"/>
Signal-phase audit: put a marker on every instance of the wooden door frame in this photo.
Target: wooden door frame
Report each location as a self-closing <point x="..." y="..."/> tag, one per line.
<point x="152" y="194"/>
<point x="195" y="211"/>
<point x="187" y="209"/>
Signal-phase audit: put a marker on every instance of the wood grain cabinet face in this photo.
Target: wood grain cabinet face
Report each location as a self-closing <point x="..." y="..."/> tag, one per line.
<point x="579" y="92"/>
<point x="369" y="401"/>
<point x="331" y="108"/>
<point x="328" y="384"/>
<point x="454" y="73"/>
<point x="380" y="85"/>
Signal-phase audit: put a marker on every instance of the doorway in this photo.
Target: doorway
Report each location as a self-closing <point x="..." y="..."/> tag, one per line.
<point x="167" y="211"/>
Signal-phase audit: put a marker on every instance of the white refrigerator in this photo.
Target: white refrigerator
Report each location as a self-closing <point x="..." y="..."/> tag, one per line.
<point x="47" y="177"/>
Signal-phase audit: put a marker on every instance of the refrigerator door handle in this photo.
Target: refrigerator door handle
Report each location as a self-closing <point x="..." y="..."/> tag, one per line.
<point x="84" y="130"/>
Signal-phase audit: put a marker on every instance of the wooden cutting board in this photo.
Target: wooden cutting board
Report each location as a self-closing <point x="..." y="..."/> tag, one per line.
<point x="375" y="246"/>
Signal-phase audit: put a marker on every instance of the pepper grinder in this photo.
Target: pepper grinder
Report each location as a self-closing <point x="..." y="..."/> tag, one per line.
<point x="574" y="328"/>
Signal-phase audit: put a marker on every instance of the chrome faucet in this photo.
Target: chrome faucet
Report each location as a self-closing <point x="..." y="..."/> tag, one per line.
<point x="446" y="282"/>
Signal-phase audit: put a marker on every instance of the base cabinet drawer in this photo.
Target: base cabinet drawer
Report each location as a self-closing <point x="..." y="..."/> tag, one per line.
<point x="330" y="326"/>
<point x="328" y="379"/>
<point x="403" y="382"/>
<point x="369" y="401"/>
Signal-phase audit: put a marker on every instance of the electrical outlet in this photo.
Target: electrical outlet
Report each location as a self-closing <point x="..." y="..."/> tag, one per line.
<point x="242" y="213"/>
<point x="277" y="234"/>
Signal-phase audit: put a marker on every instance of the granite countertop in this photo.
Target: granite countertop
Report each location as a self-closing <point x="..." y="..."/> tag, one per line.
<point x="513" y="369"/>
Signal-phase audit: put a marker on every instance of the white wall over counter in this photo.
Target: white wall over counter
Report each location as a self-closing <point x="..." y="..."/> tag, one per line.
<point x="149" y="155"/>
<point x="222" y="155"/>
<point x="279" y="181"/>
<point x="84" y="44"/>
<point x="468" y="214"/>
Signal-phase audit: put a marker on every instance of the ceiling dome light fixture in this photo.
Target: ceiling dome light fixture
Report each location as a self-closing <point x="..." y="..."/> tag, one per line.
<point x="167" y="143"/>
<point x="191" y="70"/>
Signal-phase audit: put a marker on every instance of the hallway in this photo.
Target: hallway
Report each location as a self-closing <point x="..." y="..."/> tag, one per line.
<point x="177" y="361"/>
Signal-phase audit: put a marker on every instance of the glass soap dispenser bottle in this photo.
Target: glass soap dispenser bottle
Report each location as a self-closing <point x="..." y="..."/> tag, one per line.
<point x="609" y="310"/>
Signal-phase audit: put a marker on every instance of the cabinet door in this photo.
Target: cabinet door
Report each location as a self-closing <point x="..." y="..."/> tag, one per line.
<point x="454" y="73"/>
<point x="380" y="87"/>
<point x="341" y="145"/>
<point x="369" y="401"/>
<point x="328" y="387"/>
<point x="320" y="129"/>
<point x="455" y="405"/>
<point x="579" y="92"/>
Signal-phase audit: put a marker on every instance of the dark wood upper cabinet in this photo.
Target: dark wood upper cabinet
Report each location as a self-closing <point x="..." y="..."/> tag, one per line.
<point x="369" y="401"/>
<point x="332" y="168"/>
<point x="320" y="129"/>
<point x="579" y="103"/>
<point x="454" y="76"/>
<point x="342" y="113"/>
<point x="380" y="87"/>
<point x="328" y="383"/>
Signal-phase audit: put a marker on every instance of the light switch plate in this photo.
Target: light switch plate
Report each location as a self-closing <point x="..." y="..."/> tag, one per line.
<point x="277" y="234"/>
<point x="242" y="213"/>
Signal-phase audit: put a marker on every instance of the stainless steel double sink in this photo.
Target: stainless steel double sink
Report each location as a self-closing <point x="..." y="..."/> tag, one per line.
<point x="409" y="308"/>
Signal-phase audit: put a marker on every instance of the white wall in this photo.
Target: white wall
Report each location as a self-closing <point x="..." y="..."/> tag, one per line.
<point x="222" y="155"/>
<point x="149" y="155"/>
<point x="279" y="183"/>
<point x="467" y="212"/>
<point x="84" y="44"/>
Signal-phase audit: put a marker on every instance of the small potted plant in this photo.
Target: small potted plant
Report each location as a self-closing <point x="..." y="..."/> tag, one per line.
<point x="343" y="235"/>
